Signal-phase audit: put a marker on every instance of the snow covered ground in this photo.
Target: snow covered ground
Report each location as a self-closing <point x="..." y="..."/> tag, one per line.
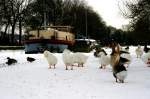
<point x="35" y="81"/>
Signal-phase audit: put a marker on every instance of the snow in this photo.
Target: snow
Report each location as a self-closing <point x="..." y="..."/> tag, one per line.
<point x="35" y="81"/>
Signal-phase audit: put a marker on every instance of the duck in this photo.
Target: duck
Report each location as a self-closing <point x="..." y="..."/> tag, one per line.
<point x="11" y="61"/>
<point x="30" y="59"/>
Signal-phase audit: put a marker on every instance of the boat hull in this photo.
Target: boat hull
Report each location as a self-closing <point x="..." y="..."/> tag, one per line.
<point x="39" y="45"/>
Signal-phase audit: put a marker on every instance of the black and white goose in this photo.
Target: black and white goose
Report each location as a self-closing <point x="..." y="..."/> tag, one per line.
<point x="125" y="56"/>
<point x="146" y="49"/>
<point x="120" y="71"/>
<point x="146" y="56"/>
<point x="117" y="62"/>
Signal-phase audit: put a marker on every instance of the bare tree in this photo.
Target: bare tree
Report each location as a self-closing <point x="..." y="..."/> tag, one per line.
<point x="139" y="13"/>
<point x="13" y="12"/>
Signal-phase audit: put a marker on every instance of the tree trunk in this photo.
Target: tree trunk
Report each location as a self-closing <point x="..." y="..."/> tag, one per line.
<point x="12" y="35"/>
<point x="5" y="32"/>
<point x="20" y="31"/>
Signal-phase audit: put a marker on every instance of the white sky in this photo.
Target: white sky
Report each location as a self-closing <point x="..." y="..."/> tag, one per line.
<point x="109" y="11"/>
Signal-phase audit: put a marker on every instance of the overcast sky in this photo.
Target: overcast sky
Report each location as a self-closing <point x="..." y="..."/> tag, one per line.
<point x="109" y="11"/>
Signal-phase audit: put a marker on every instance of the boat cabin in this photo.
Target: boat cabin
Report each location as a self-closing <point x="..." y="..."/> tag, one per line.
<point x="52" y="38"/>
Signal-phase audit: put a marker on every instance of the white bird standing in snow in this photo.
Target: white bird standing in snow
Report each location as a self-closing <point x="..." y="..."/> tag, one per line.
<point x="80" y="58"/>
<point x="104" y="59"/>
<point x="139" y="51"/>
<point x="52" y="60"/>
<point x="146" y="59"/>
<point x="68" y="58"/>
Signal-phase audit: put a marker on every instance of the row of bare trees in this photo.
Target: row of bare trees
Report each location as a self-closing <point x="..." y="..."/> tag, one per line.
<point x="36" y="13"/>
<point x="12" y="15"/>
<point x="76" y="13"/>
<point x="138" y="11"/>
